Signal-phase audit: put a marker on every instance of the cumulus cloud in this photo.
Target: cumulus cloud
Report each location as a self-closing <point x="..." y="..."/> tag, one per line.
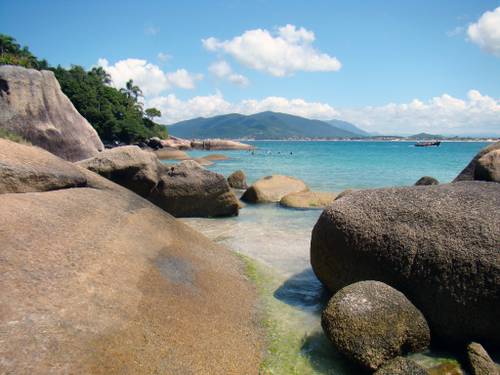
<point x="221" y="69"/>
<point x="149" y="77"/>
<point x="281" y="53"/>
<point x="445" y="114"/>
<point x="485" y="32"/>
<point x="174" y="109"/>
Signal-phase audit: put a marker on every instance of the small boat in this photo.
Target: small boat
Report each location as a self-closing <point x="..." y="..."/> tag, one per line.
<point x="427" y="143"/>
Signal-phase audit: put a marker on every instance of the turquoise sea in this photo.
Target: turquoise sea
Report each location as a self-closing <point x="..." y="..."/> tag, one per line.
<point x="279" y="237"/>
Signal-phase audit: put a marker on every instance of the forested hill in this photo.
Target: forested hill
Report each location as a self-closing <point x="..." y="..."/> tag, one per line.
<point x="264" y="125"/>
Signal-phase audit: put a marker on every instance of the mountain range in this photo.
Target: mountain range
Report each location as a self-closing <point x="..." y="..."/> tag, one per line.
<point x="263" y="125"/>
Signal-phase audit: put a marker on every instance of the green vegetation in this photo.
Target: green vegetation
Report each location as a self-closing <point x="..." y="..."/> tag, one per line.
<point x="264" y="125"/>
<point x="117" y="115"/>
<point x="5" y="134"/>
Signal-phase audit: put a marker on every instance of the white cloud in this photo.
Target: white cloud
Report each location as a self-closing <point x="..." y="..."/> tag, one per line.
<point x="221" y="69"/>
<point x="486" y="32"/>
<point x="151" y="30"/>
<point x="183" y="79"/>
<point x="280" y="54"/>
<point x="164" y="57"/>
<point x="442" y="114"/>
<point x="174" y="109"/>
<point x="456" y="31"/>
<point x="149" y="77"/>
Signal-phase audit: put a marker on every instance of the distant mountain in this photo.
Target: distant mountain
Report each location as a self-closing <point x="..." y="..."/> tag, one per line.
<point x="424" y="136"/>
<point x="264" y="125"/>
<point x="344" y="125"/>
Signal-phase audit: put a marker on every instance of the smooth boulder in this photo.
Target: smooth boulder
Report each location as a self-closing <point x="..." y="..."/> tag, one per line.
<point x="469" y="172"/>
<point x="308" y="199"/>
<point x="271" y="189"/>
<point x="401" y="366"/>
<point x="26" y="169"/>
<point x="488" y="167"/>
<point x="426" y="180"/>
<point x="438" y="245"/>
<point x="188" y="190"/>
<point x="97" y="280"/>
<point x="371" y="323"/>
<point x="480" y="363"/>
<point x="171" y="154"/>
<point x="238" y="180"/>
<point x="33" y="106"/>
<point x="129" y="166"/>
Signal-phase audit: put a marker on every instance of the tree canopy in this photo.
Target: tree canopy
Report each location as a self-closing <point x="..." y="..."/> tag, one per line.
<point x="117" y="115"/>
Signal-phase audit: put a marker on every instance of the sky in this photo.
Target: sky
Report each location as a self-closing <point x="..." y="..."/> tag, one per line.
<point x="391" y="67"/>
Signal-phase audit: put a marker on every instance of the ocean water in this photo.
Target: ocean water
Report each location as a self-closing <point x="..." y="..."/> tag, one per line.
<point x="279" y="238"/>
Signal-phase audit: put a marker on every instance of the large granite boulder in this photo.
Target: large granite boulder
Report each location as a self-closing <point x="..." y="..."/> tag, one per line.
<point x="220" y="144"/>
<point x="469" y="172"/>
<point x="272" y="188"/>
<point x="480" y="363"/>
<point x="188" y="189"/>
<point x="27" y="169"/>
<point x="129" y="166"/>
<point x="97" y="280"/>
<point x="33" y="106"/>
<point x="488" y="167"/>
<point x="438" y="245"/>
<point x="171" y="154"/>
<point x="237" y="180"/>
<point x="371" y="323"/>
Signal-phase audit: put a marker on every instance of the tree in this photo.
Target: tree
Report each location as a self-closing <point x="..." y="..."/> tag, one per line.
<point x="101" y="74"/>
<point x="151" y="113"/>
<point x="131" y="90"/>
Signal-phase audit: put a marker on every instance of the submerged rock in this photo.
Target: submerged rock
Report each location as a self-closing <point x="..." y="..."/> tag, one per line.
<point x="488" y="167"/>
<point x="33" y="106"/>
<point x="480" y="362"/>
<point x="129" y="166"/>
<point x="308" y="199"/>
<point x="426" y="180"/>
<point x="401" y="366"/>
<point x="371" y="323"/>
<point x="215" y="157"/>
<point x="238" y="180"/>
<point x="97" y="280"/>
<point x="272" y="188"/>
<point x="469" y="172"/>
<point x="189" y="190"/>
<point x="439" y="246"/>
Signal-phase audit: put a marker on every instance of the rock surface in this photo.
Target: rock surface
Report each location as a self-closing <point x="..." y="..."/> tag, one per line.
<point x="371" y="323"/>
<point x="488" y="167"/>
<point x="308" y="199"/>
<point x="272" y="188"/>
<point x="438" y="245"/>
<point x="27" y="169"/>
<point x="129" y="166"/>
<point x="401" y="366"/>
<point x="166" y="154"/>
<point x="188" y="189"/>
<point x="479" y="361"/>
<point x="426" y="180"/>
<point x="33" y="106"/>
<point x="468" y="174"/>
<point x="220" y="144"/>
<point x="237" y="180"/>
<point x="96" y="280"/>
<point x="215" y="157"/>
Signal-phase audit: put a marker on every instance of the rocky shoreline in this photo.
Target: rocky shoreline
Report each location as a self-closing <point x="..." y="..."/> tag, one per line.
<point x="99" y="277"/>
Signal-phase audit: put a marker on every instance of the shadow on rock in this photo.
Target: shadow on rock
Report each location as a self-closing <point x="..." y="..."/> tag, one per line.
<point x="304" y="291"/>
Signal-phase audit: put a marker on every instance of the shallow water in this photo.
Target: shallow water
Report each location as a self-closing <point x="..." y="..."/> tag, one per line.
<point x="279" y="237"/>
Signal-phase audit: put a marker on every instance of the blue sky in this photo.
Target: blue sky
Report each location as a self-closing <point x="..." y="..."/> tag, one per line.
<point x="390" y="66"/>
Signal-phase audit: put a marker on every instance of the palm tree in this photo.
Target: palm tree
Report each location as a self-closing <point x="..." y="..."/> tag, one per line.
<point x="132" y="91"/>
<point x="102" y="74"/>
<point x="8" y="44"/>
